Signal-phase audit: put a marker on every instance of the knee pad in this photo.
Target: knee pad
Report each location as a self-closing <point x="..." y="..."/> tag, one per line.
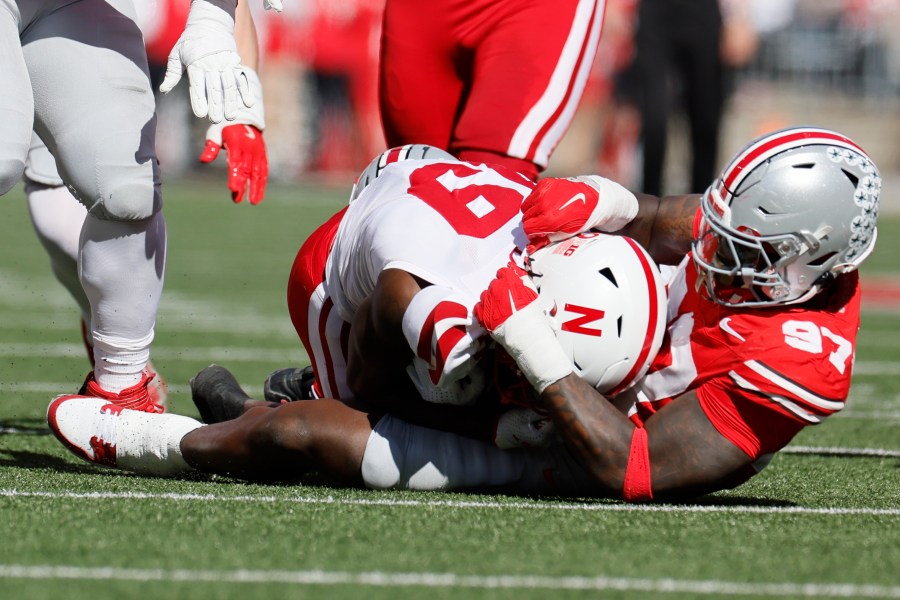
<point x="124" y="194"/>
<point x="11" y="170"/>
<point x="114" y="179"/>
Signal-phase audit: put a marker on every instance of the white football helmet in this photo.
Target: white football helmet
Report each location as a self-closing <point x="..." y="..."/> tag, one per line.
<point x="607" y="301"/>
<point x="392" y="155"/>
<point x="792" y="210"/>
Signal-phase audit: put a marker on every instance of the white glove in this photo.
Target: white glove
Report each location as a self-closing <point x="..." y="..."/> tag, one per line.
<point x="246" y="115"/>
<point x="273" y="5"/>
<point x="521" y="427"/>
<point x="208" y="50"/>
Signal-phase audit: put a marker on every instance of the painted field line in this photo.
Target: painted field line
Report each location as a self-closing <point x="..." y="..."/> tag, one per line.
<point x="475" y="504"/>
<point x="54" y="388"/>
<point x="452" y="580"/>
<point x="193" y="316"/>
<point x="840" y="451"/>
<point x="277" y="356"/>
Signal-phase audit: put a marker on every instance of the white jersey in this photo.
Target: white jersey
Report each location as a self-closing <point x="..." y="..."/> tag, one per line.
<point x="450" y="223"/>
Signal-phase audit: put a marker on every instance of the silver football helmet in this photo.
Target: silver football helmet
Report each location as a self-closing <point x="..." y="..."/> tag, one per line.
<point x="607" y="302"/>
<point x="392" y="155"/>
<point x="791" y="211"/>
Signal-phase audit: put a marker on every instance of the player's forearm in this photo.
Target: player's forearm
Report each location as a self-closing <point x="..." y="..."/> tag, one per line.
<point x="673" y="228"/>
<point x="245" y="35"/>
<point x="598" y="434"/>
<point x="664" y="226"/>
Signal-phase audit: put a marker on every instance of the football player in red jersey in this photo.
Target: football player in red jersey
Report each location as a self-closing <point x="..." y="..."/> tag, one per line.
<point x="487" y="80"/>
<point x="762" y="318"/>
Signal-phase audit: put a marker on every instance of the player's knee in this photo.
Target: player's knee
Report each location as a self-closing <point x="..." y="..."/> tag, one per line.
<point x="127" y="198"/>
<point x="285" y="431"/>
<point x="117" y="189"/>
<point x="11" y="170"/>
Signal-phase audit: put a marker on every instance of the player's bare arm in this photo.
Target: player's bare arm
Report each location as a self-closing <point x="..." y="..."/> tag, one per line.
<point x="687" y="455"/>
<point x="378" y="355"/>
<point x="377" y="351"/>
<point x="664" y="226"/>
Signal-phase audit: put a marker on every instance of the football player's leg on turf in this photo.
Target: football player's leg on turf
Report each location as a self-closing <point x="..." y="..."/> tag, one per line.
<point x="16" y="100"/>
<point x="341" y="441"/>
<point x="58" y="218"/>
<point x="99" y="123"/>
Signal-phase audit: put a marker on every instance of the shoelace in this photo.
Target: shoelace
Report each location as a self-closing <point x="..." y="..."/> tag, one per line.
<point x="106" y="424"/>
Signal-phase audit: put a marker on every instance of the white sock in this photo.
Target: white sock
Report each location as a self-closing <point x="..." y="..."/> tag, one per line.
<point x="121" y="266"/>
<point x="403" y="456"/>
<point x="57" y="217"/>
<point x="151" y="443"/>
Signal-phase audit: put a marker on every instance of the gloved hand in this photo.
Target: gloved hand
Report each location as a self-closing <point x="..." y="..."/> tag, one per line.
<point x="208" y="50"/>
<point x="509" y="310"/>
<point x="558" y="208"/>
<point x="244" y="144"/>
<point x="520" y="427"/>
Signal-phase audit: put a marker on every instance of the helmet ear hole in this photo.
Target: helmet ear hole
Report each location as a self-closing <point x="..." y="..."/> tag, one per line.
<point x="854" y="180"/>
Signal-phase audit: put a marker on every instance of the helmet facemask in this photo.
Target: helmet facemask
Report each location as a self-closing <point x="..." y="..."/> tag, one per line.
<point x="738" y="266"/>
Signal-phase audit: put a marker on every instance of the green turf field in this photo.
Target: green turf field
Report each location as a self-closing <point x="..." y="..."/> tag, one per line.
<point x="823" y="520"/>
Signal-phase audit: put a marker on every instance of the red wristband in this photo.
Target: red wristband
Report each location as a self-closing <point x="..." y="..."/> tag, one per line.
<point x="637" y="486"/>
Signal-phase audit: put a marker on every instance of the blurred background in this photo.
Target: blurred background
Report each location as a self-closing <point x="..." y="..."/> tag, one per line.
<point x="829" y="63"/>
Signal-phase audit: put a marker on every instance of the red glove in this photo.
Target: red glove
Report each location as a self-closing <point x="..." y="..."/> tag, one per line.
<point x="247" y="160"/>
<point x="509" y="311"/>
<point x="558" y="209"/>
<point x="509" y="292"/>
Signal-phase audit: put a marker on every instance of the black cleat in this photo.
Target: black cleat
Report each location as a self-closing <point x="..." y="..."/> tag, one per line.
<point x="287" y="385"/>
<point x="217" y="394"/>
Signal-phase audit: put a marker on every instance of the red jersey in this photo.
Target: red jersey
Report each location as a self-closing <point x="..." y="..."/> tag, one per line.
<point x="761" y="375"/>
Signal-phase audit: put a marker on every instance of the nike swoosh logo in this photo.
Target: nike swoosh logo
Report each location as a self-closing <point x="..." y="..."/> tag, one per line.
<point x="725" y="325"/>
<point x="249" y="132"/>
<point x="576" y="198"/>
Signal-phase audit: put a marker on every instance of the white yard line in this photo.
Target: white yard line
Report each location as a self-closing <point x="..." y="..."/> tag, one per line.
<point x="475" y="504"/>
<point x="452" y="580"/>
<point x="276" y="356"/>
<point x="842" y="451"/>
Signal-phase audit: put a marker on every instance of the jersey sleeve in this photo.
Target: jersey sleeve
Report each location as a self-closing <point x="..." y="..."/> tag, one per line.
<point x="746" y="418"/>
<point x="445" y="339"/>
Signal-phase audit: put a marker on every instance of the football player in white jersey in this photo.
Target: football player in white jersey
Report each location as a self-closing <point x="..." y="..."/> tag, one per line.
<point x="390" y="323"/>
<point x="763" y="314"/>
